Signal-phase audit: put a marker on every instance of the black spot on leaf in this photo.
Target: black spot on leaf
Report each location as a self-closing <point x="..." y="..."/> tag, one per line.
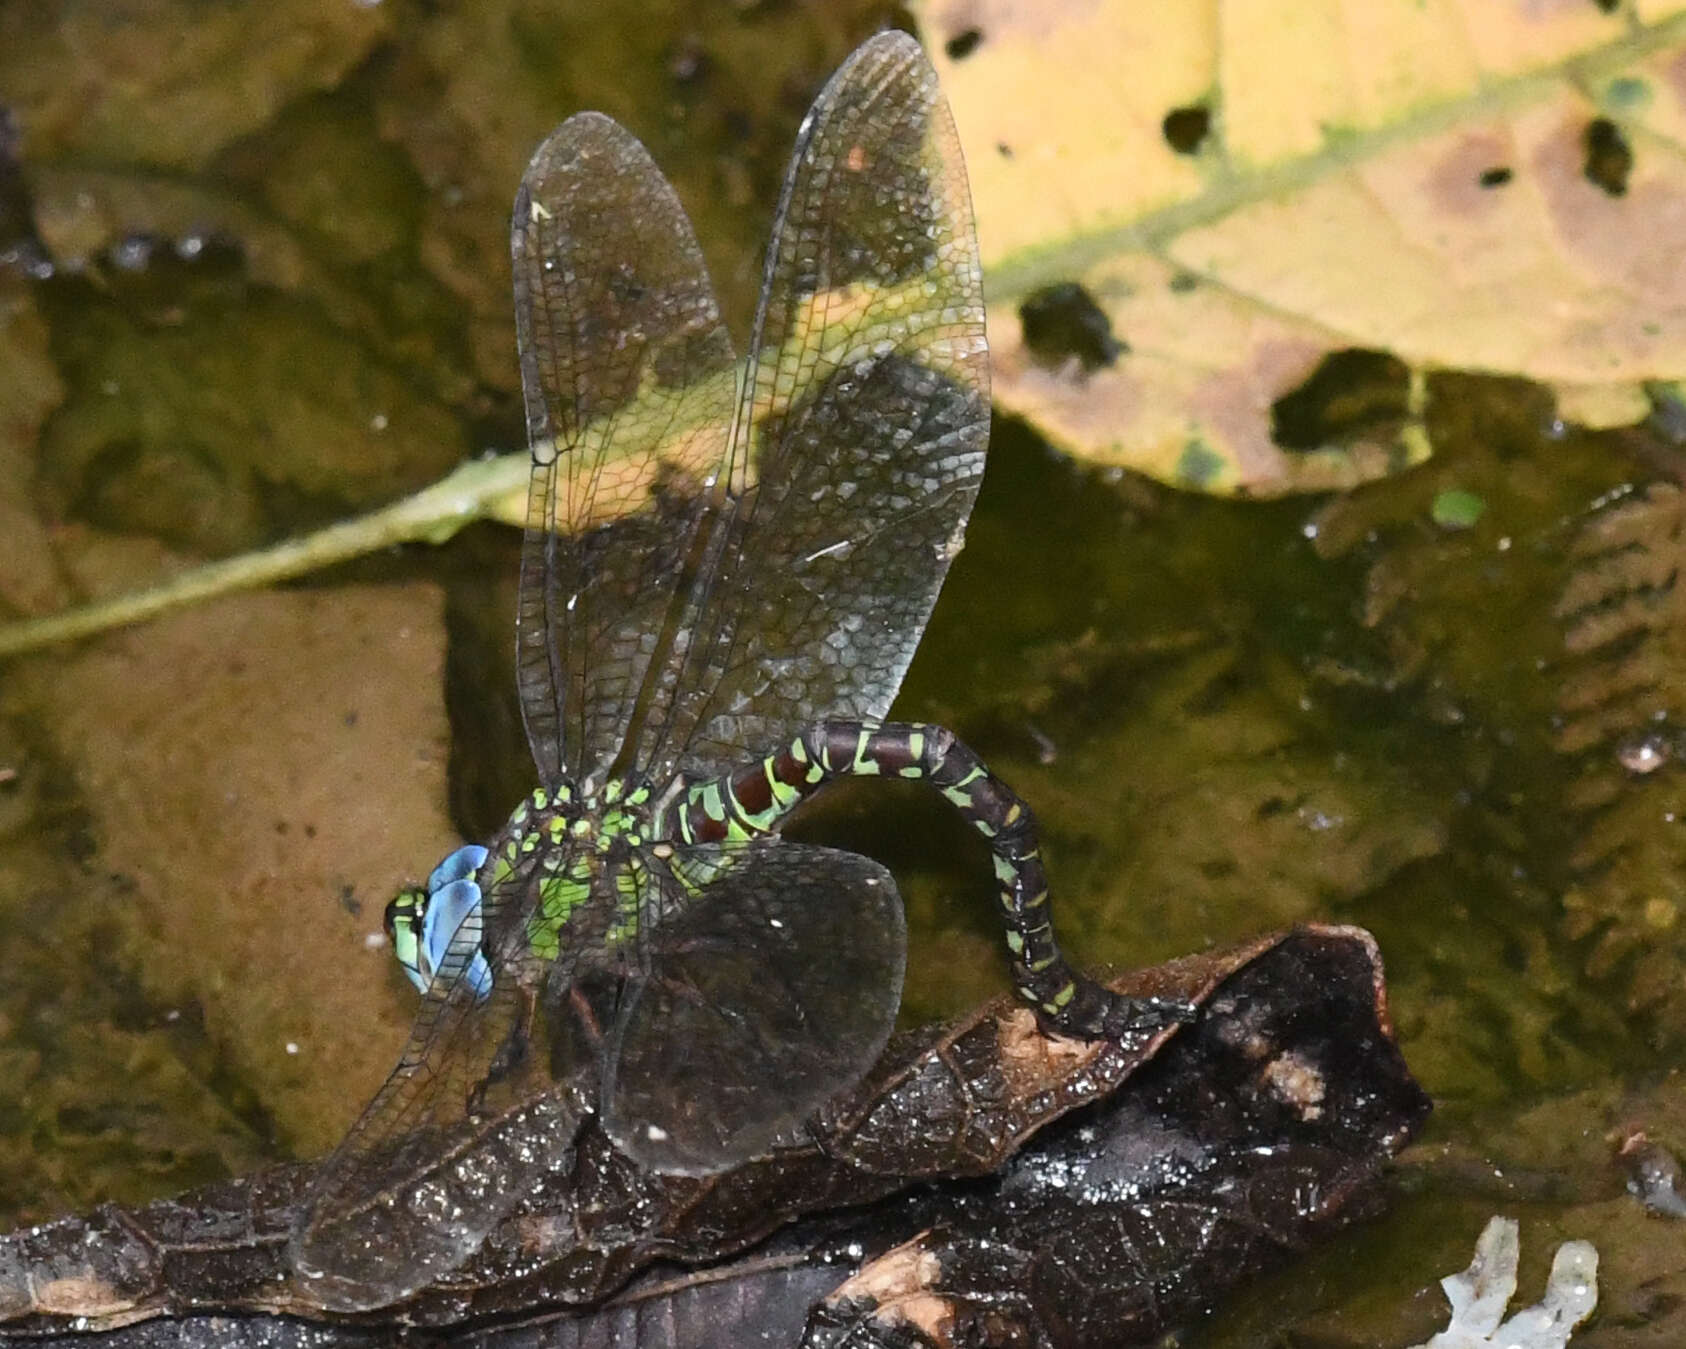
<point x="1609" y="158"/>
<point x="1186" y="129"/>
<point x="963" y="44"/>
<point x="1062" y="321"/>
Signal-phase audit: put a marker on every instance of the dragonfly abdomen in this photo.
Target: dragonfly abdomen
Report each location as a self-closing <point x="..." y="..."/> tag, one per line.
<point x="754" y="800"/>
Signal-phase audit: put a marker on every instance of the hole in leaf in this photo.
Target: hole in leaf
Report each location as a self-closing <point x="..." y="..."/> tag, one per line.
<point x="1350" y="392"/>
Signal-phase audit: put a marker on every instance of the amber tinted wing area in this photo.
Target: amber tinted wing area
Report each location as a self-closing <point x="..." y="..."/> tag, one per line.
<point x="859" y="440"/>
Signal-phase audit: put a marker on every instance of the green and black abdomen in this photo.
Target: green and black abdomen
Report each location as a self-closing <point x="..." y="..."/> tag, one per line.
<point x="755" y="800"/>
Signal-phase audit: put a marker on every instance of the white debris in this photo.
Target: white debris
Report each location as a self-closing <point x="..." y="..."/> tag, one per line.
<point x="1481" y="1293"/>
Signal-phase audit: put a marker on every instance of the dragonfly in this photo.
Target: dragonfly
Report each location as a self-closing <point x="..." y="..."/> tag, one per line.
<point x="725" y="571"/>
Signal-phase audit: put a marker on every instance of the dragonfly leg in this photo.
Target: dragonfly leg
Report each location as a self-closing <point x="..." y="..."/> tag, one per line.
<point x="755" y="799"/>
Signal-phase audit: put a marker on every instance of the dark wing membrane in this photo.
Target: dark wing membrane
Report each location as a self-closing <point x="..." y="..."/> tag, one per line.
<point x="476" y="1111"/>
<point x="628" y="374"/>
<point x="859" y="441"/>
<point x="760" y="997"/>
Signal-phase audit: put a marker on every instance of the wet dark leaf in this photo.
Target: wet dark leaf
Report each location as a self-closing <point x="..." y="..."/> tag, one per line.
<point x="1074" y="1193"/>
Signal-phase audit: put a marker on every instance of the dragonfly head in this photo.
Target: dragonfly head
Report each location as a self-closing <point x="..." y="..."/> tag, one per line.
<point x="405" y="917"/>
<point x="438" y="927"/>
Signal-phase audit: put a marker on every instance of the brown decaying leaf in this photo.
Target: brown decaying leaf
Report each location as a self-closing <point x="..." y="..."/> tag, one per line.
<point x="235" y="766"/>
<point x="1571" y="686"/>
<point x="1228" y="1143"/>
<point x="1622" y="696"/>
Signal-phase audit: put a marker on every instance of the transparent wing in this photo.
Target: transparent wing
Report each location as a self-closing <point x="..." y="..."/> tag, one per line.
<point x="483" y="1102"/>
<point x="759" y="997"/>
<point x="788" y="572"/>
<point x="858" y="444"/>
<point x="628" y="376"/>
<point x="779" y="564"/>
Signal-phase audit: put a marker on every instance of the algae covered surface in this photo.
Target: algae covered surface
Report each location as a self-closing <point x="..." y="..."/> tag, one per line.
<point x="256" y="279"/>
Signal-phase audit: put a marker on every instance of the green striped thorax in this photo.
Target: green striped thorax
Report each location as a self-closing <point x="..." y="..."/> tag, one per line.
<point x="569" y="847"/>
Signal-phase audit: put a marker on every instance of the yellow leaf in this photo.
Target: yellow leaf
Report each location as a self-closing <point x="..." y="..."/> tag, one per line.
<point x="1488" y="185"/>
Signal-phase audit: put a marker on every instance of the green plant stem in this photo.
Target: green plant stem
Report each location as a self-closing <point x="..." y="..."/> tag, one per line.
<point x="477" y="490"/>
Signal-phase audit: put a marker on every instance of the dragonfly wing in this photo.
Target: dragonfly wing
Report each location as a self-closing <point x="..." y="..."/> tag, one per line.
<point x="628" y="377"/>
<point x="767" y="991"/>
<point x="859" y="442"/>
<point x="470" y="1118"/>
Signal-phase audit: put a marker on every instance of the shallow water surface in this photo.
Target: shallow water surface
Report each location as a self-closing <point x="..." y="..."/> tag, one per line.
<point x="246" y="321"/>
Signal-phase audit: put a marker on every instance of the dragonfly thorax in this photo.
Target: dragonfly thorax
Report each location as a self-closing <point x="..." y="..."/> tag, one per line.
<point x="570" y="844"/>
<point x="618" y="815"/>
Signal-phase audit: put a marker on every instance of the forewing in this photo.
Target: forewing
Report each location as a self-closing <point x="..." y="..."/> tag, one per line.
<point x="628" y="376"/>
<point x="470" y="1118"/>
<point x="761" y="996"/>
<point x="859" y="443"/>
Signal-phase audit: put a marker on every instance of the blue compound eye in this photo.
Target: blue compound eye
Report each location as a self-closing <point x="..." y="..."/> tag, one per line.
<point x="460" y="865"/>
<point x="451" y="930"/>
